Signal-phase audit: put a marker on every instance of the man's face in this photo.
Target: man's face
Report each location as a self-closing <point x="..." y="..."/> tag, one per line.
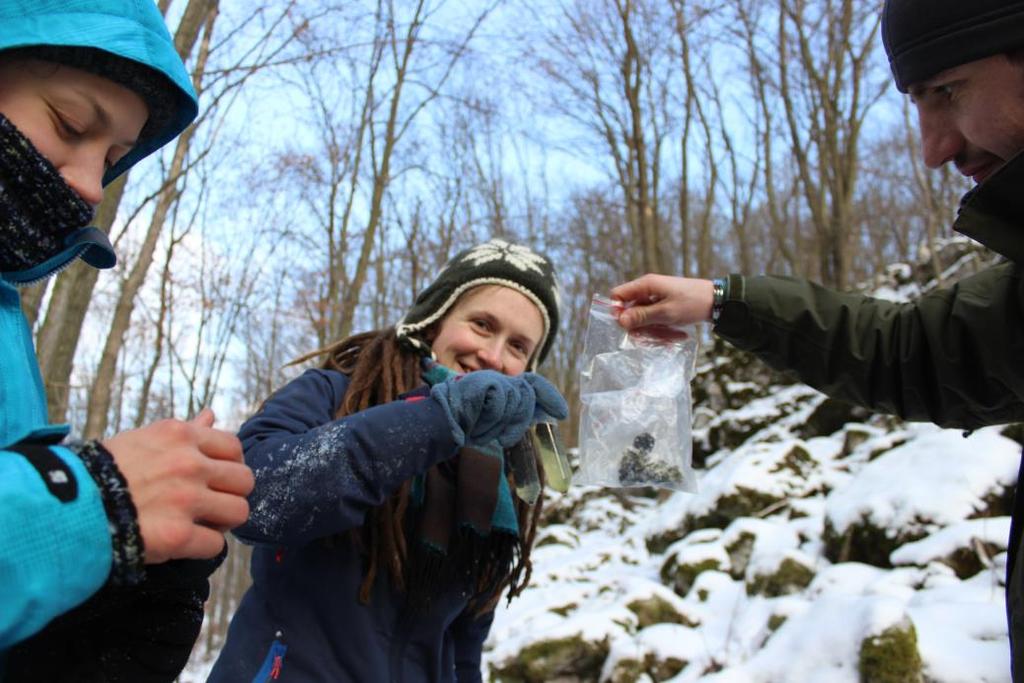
<point x="972" y="115"/>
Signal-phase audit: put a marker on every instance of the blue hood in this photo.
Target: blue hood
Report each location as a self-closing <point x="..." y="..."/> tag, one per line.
<point x="132" y="29"/>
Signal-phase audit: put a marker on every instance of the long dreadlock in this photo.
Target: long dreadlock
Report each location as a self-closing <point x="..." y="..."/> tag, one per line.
<point x="380" y="369"/>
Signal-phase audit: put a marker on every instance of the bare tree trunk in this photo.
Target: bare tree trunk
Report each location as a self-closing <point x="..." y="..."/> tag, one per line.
<point x="381" y="173"/>
<point x="825" y="138"/>
<point x="601" y="65"/>
<point x="784" y="234"/>
<point x="682" y="28"/>
<point x="640" y="205"/>
<point x="31" y="300"/>
<point x="197" y="14"/>
<point x="159" y="342"/>
<point x="58" y="336"/>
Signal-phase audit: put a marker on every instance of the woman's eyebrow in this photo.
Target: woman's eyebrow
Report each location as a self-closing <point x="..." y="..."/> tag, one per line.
<point x="101" y="114"/>
<point x="525" y="339"/>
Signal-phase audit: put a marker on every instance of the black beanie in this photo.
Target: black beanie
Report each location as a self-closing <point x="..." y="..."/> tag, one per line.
<point x="925" y="37"/>
<point x="155" y="89"/>
<point x="492" y="263"/>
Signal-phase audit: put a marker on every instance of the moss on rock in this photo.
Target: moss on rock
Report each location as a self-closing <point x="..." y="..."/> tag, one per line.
<point x="564" y="610"/>
<point x="655" y="610"/>
<point x="659" y="543"/>
<point x="745" y="502"/>
<point x="863" y="542"/>
<point x="570" y="659"/>
<point x="1014" y="431"/>
<point x="629" y="670"/>
<point x="790" y="577"/>
<point x="854" y="438"/>
<point x="679" y="576"/>
<point x="626" y="670"/>
<point x="555" y="539"/>
<point x="996" y="503"/>
<point x="739" y="554"/>
<point x="663" y="670"/>
<point x="797" y="460"/>
<point x="562" y="509"/>
<point x="829" y="417"/>
<point x="733" y="433"/>
<point x="966" y="562"/>
<point x="882" y="450"/>
<point x="891" y="656"/>
<point x="795" y="513"/>
<point x="775" y="621"/>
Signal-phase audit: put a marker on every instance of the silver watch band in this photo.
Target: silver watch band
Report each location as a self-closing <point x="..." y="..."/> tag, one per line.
<point x="719" y="290"/>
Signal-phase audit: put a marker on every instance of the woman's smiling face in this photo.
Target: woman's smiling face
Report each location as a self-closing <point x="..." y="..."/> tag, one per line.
<point x="490" y="327"/>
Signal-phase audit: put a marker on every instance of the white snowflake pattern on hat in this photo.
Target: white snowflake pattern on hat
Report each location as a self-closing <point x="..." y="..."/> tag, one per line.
<point x="499" y="250"/>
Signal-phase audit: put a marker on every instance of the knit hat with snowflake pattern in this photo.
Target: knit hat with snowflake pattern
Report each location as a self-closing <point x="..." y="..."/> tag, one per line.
<point x="492" y="263"/>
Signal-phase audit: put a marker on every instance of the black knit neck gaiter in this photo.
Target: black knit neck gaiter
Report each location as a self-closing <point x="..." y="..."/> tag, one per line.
<point x="38" y="209"/>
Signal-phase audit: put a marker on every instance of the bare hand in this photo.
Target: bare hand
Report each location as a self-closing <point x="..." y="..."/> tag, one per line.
<point x="659" y="302"/>
<point x="188" y="483"/>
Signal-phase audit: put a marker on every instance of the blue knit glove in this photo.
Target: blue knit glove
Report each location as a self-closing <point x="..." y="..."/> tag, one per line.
<point x="485" y="406"/>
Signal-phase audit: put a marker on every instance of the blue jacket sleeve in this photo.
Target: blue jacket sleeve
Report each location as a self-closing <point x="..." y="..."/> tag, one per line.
<point x="57" y="546"/>
<point x="316" y="475"/>
<point x="469" y="632"/>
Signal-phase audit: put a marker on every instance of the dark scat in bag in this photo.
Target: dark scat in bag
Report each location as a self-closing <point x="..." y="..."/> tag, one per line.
<point x="636" y="417"/>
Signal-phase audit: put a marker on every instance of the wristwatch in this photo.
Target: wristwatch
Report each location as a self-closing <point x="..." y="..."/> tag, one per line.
<point x="719" y="290"/>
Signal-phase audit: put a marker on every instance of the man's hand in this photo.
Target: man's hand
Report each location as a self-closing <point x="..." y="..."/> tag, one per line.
<point x="188" y="483"/>
<point x="662" y="301"/>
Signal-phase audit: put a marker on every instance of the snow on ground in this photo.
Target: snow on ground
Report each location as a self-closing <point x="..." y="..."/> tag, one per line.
<point x="918" y="480"/>
<point x="939" y="476"/>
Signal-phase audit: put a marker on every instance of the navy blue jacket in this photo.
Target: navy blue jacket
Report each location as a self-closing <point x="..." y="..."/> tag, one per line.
<point x="317" y="476"/>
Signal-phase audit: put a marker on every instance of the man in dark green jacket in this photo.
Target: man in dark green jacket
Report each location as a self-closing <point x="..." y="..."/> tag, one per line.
<point x="956" y="356"/>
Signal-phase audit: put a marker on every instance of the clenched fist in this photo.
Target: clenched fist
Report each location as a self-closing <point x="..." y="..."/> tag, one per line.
<point x="188" y="483"/>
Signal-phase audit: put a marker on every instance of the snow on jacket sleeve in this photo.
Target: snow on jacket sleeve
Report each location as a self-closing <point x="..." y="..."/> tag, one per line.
<point x="316" y="475"/>
<point x="56" y="552"/>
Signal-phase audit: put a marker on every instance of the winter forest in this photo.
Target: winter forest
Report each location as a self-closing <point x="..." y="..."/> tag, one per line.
<point x="345" y="150"/>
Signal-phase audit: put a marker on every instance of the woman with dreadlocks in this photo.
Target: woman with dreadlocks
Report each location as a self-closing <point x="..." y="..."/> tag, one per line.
<point x="384" y="525"/>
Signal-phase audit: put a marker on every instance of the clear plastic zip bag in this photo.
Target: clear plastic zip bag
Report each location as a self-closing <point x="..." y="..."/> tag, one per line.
<point x="635" y="425"/>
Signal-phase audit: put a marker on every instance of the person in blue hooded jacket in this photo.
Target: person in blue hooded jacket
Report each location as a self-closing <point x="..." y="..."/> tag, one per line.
<point x="107" y="545"/>
<point x="384" y="524"/>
